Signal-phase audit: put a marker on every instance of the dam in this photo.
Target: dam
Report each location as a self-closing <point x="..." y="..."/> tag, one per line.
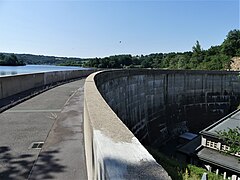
<point x="157" y="104"/>
<point x="123" y="109"/>
<point x="152" y="105"/>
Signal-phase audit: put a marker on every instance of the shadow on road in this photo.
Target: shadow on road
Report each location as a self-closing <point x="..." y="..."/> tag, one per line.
<point x="19" y="166"/>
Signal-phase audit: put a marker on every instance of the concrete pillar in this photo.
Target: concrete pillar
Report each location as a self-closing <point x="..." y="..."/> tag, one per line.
<point x="204" y="176"/>
<point x="217" y="171"/>
<point x="204" y="141"/>
<point x="234" y="177"/>
<point x="210" y="169"/>
<point x="224" y="175"/>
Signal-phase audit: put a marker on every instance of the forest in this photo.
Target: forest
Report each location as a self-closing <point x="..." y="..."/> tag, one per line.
<point x="215" y="58"/>
<point x="49" y="60"/>
<point x="10" y="60"/>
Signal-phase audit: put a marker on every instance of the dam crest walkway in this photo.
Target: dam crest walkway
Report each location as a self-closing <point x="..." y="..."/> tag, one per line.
<point x="54" y="118"/>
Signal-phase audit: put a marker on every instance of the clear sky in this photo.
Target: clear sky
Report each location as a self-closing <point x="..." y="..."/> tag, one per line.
<point x="103" y="28"/>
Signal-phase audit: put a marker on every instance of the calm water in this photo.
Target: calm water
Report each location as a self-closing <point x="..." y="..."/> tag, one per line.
<point x="13" y="70"/>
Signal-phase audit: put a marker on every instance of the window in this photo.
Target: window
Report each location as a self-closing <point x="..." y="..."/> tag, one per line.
<point x="208" y="143"/>
<point x="238" y="154"/>
<point x="212" y="144"/>
<point x="224" y="148"/>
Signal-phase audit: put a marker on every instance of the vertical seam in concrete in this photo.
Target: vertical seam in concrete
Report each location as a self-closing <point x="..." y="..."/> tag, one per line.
<point x="1" y="90"/>
<point x="44" y="78"/>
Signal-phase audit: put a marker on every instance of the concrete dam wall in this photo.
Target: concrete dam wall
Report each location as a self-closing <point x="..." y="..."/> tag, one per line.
<point x="158" y="104"/>
<point x="112" y="151"/>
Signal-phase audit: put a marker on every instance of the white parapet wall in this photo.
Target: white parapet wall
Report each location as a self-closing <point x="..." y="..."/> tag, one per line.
<point x="11" y="85"/>
<point x="112" y="151"/>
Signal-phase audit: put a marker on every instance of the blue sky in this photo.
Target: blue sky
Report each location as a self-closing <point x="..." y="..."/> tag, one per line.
<point x="95" y="28"/>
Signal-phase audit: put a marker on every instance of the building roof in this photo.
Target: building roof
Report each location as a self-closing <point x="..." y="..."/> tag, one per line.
<point x="228" y="122"/>
<point x="222" y="160"/>
<point x="188" y="136"/>
<point x="191" y="146"/>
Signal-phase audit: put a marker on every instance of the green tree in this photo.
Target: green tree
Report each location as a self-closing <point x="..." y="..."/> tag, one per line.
<point x="231" y="45"/>
<point x="197" y="48"/>
<point x="215" y="58"/>
<point x="10" y="60"/>
<point x="216" y="62"/>
<point x="182" y="62"/>
<point x="1" y="56"/>
<point x="197" y="56"/>
<point x="147" y="62"/>
<point x="232" y="138"/>
<point x="213" y="50"/>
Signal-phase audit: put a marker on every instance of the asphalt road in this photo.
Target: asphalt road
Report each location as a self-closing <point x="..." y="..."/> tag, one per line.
<point x="32" y="121"/>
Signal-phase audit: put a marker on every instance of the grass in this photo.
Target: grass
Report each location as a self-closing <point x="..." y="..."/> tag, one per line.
<point x="180" y="171"/>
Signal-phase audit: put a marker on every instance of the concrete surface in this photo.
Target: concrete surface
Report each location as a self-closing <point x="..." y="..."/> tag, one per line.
<point x="28" y="122"/>
<point x="112" y="151"/>
<point x="158" y="104"/>
<point x="11" y="85"/>
<point x="155" y="105"/>
<point x="65" y="141"/>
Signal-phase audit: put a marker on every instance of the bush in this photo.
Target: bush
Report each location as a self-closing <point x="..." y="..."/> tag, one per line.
<point x="180" y="171"/>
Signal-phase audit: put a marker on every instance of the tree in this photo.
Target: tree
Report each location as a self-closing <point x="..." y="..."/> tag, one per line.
<point x="232" y="139"/>
<point x="231" y="45"/>
<point x="213" y="50"/>
<point x="182" y="62"/>
<point x="215" y="58"/>
<point x="147" y="63"/>
<point x="1" y="56"/>
<point x="10" y="60"/>
<point x="197" y="48"/>
<point x="216" y="62"/>
<point x="197" y="55"/>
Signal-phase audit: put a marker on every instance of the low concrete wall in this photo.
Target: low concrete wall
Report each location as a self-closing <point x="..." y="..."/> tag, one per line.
<point x="112" y="151"/>
<point x="11" y="85"/>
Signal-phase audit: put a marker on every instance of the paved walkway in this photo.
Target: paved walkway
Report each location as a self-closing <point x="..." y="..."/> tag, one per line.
<point x="44" y="118"/>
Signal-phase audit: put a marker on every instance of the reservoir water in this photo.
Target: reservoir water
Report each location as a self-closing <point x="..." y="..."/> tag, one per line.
<point x="13" y="70"/>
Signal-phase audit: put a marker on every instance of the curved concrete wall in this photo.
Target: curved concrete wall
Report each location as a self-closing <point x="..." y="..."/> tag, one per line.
<point x="157" y="104"/>
<point x="154" y="105"/>
<point x="112" y="151"/>
<point x="11" y="85"/>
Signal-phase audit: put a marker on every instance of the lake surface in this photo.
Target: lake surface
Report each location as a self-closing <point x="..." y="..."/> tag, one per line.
<point x="13" y="70"/>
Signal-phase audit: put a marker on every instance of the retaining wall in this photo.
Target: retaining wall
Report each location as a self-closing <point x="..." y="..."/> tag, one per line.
<point x="11" y="85"/>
